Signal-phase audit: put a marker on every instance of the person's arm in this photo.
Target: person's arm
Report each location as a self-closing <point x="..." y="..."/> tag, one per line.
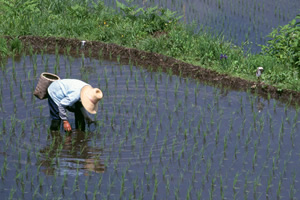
<point x="69" y="100"/>
<point x="62" y="112"/>
<point x="63" y="115"/>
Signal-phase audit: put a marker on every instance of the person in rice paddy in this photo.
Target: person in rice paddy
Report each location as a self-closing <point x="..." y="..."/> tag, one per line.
<point x="75" y="96"/>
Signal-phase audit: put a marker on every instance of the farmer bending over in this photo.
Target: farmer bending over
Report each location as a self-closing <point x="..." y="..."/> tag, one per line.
<point x="75" y="96"/>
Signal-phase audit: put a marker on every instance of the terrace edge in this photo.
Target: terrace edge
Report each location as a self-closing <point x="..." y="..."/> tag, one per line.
<point x="155" y="61"/>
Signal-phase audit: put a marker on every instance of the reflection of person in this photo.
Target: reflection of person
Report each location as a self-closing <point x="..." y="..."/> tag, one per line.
<point x="74" y="153"/>
<point x="260" y="106"/>
<point x="75" y="96"/>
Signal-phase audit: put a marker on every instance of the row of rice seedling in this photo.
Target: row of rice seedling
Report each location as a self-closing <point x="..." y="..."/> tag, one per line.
<point x="238" y="20"/>
<point x="157" y="136"/>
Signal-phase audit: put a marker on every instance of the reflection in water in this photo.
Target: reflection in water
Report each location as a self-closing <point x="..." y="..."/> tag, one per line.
<point x="70" y="154"/>
<point x="260" y="105"/>
<point x="224" y="92"/>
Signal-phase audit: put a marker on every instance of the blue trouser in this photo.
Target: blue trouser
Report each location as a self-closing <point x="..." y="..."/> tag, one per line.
<point x="56" y="121"/>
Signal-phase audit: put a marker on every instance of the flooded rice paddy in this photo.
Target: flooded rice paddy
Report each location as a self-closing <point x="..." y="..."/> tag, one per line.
<point x="238" y="20"/>
<point x="157" y="136"/>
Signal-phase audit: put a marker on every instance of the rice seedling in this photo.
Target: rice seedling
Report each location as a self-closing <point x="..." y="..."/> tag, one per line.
<point x="151" y="125"/>
<point x="245" y="190"/>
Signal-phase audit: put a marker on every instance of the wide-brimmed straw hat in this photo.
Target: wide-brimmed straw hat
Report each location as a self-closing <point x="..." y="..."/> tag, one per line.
<point x="89" y="98"/>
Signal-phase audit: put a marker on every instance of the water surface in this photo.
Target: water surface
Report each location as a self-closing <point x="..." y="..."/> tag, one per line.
<point x="157" y="135"/>
<point x="238" y="20"/>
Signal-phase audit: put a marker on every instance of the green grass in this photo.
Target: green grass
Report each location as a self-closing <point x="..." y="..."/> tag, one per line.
<point x="153" y="30"/>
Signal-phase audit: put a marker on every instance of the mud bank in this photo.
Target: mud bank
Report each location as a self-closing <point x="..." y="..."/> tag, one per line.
<point x="155" y="62"/>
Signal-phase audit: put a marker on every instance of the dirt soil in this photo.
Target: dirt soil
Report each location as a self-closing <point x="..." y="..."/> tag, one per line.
<point x="155" y="62"/>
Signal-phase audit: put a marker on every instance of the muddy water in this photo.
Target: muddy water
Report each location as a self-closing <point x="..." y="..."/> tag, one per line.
<point x="156" y="135"/>
<point x="238" y="20"/>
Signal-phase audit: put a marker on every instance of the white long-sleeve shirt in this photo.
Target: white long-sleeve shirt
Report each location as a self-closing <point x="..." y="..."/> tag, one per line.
<point x="65" y="92"/>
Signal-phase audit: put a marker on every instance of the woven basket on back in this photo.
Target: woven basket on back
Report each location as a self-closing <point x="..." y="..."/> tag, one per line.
<point x="45" y="80"/>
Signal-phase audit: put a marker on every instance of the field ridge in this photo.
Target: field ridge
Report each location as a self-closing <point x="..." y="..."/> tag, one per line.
<point x="155" y="62"/>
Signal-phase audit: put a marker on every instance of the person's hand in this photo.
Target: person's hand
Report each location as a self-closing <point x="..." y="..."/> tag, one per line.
<point x="67" y="126"/>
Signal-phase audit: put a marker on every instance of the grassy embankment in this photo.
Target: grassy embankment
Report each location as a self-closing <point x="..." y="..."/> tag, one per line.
<point x="153" y="30"/>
